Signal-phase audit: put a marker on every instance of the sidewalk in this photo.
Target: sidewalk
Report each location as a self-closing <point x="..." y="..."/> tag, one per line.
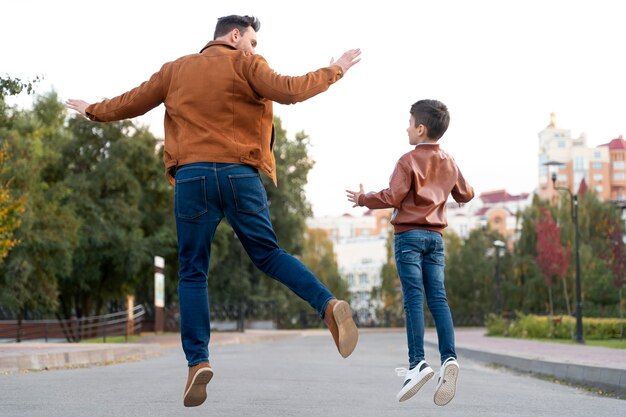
<point x="591" y="366"/>
<point x="37" y="356"/>
<point x="587" y="365"/>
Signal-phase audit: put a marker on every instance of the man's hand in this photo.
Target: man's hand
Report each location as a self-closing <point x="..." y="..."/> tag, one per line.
<point x="347" y="60"/>
<point x="353" y="196"/>
<point x="78" y="105"/>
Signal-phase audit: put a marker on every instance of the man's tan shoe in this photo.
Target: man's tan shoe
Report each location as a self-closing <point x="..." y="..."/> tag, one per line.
<point x="195" y="390"/>
<point x="338" y="318"/>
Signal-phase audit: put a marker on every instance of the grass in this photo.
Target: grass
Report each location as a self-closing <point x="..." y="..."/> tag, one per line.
<point x="610" y="343"/>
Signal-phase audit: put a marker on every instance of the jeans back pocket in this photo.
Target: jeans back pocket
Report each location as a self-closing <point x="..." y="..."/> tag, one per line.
<point x="191" y="200"/>
<point x="249" y="193"/>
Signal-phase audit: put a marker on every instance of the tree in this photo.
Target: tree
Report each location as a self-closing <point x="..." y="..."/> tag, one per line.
<point x="10" y="207"/>
<point x="551" y="257"/>
<point x="47" y="231"/>
<point x="10" y="211"/>
<point x="318" y="253"/>
<point x="390" y="288"/>
<point x="124" y="204"/>
<point x="469" y="279"/>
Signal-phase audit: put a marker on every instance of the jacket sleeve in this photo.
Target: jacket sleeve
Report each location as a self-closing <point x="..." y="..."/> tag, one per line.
<point x="131" y="104"/>
<point x="289" y="90"/>
<point x="399" y="187"/>
<point x="462" y="191"/>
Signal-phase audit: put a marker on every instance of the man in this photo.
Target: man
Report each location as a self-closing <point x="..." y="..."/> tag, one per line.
<point x="218" y="135"/>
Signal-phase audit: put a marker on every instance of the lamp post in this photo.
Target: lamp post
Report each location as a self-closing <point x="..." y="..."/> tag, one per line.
<point x="574" y="210"/>
<point x="498" y="244"/>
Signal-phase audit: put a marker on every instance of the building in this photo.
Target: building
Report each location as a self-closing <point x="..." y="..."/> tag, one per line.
<point x="572" y="162"/>
<point x="494" y="209"/>
<point x="359" y="244"/>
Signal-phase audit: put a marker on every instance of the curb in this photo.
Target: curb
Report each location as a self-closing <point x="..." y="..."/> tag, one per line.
<point x="608" y="379"/>
<point x="77" y="358"/>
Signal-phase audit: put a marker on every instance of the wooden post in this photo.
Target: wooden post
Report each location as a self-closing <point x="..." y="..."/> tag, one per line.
<point x="130" y="322"/>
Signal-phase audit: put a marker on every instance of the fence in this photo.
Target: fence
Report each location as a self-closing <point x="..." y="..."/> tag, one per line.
<point x="122" y="323"/>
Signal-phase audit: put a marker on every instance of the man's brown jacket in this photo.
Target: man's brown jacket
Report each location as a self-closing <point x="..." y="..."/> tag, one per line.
<point x="218" y="106"/>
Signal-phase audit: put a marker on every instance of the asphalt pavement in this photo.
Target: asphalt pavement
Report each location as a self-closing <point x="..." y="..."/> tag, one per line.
<point x="595" y="367"/>
<point x="297" y="374"/>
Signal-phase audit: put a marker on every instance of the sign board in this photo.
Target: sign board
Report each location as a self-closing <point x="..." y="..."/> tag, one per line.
<point x="159" y="262"/>
<point x="159" y="289"/>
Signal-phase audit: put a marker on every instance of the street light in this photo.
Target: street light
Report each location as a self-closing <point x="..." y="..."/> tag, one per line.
<point x="574" y="211"/>
<point x="498" y="245"/>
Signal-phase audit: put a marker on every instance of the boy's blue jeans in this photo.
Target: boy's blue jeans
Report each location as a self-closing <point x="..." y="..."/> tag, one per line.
<point x="420" y="261"/>
<point x="206" y="192"/>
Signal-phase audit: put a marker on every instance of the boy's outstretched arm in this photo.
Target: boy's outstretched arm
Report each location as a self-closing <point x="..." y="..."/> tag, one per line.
<point x="353" y="196"/>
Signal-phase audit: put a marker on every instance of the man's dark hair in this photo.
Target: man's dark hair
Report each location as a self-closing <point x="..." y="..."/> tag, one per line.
<point x="434" y="115"/>
<point x="227" y="23"/>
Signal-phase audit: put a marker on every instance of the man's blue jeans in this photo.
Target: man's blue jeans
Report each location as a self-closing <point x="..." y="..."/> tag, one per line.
<point x="420" y="261"/>
<point x="206" y="192"/>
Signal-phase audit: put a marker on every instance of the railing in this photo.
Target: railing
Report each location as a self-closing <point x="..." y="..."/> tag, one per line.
<point x="122" y="323"/>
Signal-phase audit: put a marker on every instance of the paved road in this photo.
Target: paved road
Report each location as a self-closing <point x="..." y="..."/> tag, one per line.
<point x="297" y="376"/>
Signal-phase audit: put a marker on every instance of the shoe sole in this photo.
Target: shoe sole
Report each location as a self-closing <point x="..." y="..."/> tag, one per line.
<point x="446" y="391"/>
<point x="196" y="393"/>
<point x="410" y="393"/>
<point x="348" y="332"/>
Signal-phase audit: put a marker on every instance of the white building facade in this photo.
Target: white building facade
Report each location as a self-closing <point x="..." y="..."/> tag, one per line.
<point x="359" y="245"/>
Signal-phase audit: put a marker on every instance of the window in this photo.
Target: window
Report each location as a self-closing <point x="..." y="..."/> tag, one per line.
<point x="363" y="279"/>
<point x="579" y="163"/>
<point x="597" y="177"/>
<point x="599" y="188"/>
<point x="561" y="144"/>
<point x="618" y="165"/>
<point x="597" y="165"/>
<point x="619" y="176"/>
<point x="597" y="154"/>
<point x="350" y="279"/>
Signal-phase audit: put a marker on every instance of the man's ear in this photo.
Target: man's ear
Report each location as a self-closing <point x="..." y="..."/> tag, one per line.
<point x="235" y="34"/>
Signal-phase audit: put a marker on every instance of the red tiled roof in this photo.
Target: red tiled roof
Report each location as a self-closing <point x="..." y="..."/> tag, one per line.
<point x="501" y="196"/>
<point x="618" y="143"/>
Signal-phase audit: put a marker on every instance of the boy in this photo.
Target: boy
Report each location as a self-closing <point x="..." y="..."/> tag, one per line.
<point x="418" y="190"/>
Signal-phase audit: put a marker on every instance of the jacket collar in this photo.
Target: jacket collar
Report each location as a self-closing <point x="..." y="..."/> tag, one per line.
<point x="215" y="43"/>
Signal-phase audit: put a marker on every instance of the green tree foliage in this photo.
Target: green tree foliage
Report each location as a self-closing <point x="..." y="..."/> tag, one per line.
<point x="98" y="210"/>
<point x="11" y="206"/>
<point x="470" y="276"/>
<point x="121" y="197"/>
<point x="47" y="233"/>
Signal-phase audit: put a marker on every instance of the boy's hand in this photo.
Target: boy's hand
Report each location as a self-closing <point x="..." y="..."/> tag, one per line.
<point x="353" y="196"/>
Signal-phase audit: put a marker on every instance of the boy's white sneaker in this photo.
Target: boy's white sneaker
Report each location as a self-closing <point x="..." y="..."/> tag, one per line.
<point x="414" y="380"/>
<point x="446" y="385"/>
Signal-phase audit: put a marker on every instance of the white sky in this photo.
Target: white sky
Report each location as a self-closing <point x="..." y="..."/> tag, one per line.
<point x="501" y="67"/>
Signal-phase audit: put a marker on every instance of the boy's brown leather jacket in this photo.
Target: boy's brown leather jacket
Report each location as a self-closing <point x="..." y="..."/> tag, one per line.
<point x="419" y="188"/>
<point x="218" y="106"/>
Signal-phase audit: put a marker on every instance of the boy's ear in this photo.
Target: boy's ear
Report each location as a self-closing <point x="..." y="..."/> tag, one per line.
<point x="422" y="130"/>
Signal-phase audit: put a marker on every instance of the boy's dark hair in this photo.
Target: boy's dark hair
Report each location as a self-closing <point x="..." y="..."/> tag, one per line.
<point x="434" y="115"/>
<point x="227" y="23"/>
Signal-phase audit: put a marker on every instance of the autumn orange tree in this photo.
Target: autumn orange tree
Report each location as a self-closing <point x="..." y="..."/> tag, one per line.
<point x="10" y="211"/>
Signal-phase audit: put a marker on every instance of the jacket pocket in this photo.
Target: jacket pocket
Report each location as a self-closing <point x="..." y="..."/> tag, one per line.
<point x="249" y="193"/>
<point x="191" y="201"/>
